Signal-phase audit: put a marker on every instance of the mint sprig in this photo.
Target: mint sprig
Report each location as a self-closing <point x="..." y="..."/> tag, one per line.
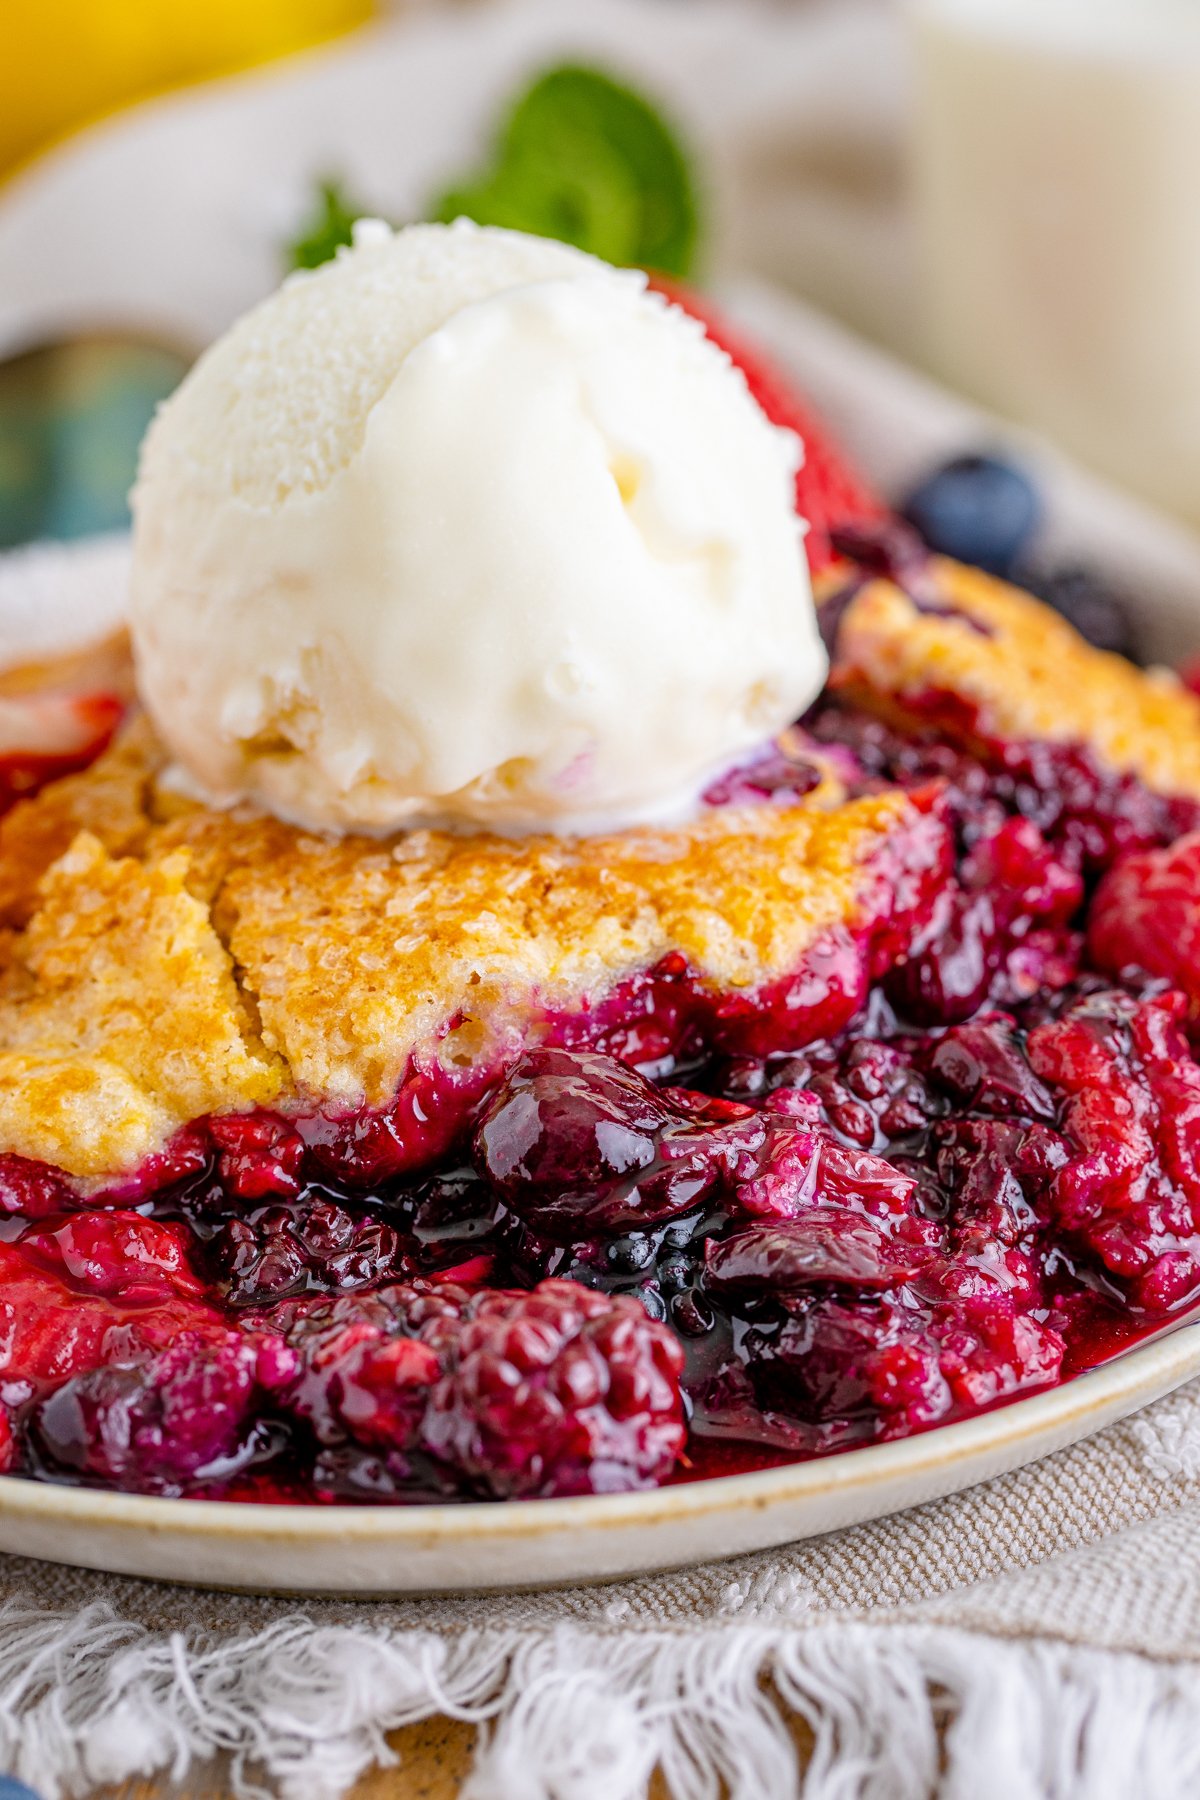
<point x="579" y="157"/>
<point x="584" y="158"/>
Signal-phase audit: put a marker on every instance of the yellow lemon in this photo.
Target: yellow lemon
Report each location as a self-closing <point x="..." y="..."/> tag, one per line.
<point x="64" y="62"/>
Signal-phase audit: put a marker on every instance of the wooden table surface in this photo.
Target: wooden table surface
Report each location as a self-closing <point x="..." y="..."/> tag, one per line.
<point x="435" y="1759"/>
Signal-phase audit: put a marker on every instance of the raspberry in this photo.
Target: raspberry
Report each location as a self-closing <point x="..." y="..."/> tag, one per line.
<point x="993" y="1172"/>
<point x="1146" y="915"/>
<point x="363" y="1372"/>
<point x="560" y="1390"/>
<point x="259" y="1154"/>
<point x="845" y="1371"/>
<point x="165" y="1421"/>
<point x="33" y="1190"/>
<point x="829" y="490"/>
<point x="796" y="1169"/>
<point x="983" y="1067"/>
<point x="1013" y="896"/>
<point x="362" y="1149"/>
<point x="1130" y="1113"/>
<point x="989" y="1350"/>
<point x="829" y="990"/>
<point x="121" y="1255"/>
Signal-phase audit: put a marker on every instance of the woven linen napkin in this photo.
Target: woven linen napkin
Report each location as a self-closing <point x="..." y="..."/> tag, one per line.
<point x="1038" y="1635"/>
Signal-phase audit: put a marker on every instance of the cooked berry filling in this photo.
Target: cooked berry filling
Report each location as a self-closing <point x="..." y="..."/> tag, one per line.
<point x="953" y="1158"/>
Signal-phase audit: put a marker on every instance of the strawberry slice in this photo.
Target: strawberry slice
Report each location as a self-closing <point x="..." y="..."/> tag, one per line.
<point x="44" y="735"/>
<point x="59" y="1317"/>
<point x="830" y="492"/>
<point x="1146" y="915"/>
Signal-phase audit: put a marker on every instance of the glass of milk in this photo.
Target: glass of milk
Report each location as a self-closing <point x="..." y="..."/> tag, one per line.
<point x="1056" y="180"/>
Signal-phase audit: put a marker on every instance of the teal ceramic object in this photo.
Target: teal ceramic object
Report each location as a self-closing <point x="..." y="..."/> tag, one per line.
<point x="71" y="418"/>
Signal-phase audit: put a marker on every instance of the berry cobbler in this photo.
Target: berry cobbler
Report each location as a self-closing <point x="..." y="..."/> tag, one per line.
<point x="479" y="1157"/>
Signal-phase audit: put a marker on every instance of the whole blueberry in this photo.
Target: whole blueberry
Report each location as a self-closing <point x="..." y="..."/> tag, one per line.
<point x="978" y="509"/>
<point x="12" y="1789"/>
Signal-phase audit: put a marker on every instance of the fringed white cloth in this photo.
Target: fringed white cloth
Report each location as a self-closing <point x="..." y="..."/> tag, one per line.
<point x="896" y="1712"/>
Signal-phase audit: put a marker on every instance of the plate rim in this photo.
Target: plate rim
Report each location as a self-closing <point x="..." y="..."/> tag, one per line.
<point x="1156" y="1368"/>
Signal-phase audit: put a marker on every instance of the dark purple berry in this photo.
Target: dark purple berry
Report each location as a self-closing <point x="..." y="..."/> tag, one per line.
<point x="576" y="1143"/>
<point x="183" y="1416"/>
<point x="978" y="509"/>
<point x="1098" y="612"/>
<point x="310" y="1245"/>
<point x="828" y="1244"/>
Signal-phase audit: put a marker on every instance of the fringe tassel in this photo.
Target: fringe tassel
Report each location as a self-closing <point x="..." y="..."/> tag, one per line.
<point x="897" y="1712"/>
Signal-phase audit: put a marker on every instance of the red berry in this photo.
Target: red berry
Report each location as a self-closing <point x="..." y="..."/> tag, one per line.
<point x="259" y="1154"/>
<point x="559" y="1390"/>
<point x="826" y="1244"/>
<point x="66" y="1307"/>
<point x="33" y="1189"/>
<point x="1129" y="1103"/>
<point x="1146" y="915"/>
<point x="45" y="735"/>
<point x="577" y="1144"/>
<point x="121" y="1255"/>
<point x="163" y="1421"/>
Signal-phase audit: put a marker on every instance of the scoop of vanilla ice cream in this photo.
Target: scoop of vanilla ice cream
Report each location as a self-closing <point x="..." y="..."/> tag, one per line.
<point x="467" y="526"/>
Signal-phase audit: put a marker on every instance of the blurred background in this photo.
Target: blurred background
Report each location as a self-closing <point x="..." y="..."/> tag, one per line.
<point x="1000" y="193"/>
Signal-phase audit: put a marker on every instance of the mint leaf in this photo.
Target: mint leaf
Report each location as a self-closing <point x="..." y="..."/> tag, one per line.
<point x="329" y="226"/>
<point x="584" y="158"/>
<point x="579" y="157"/>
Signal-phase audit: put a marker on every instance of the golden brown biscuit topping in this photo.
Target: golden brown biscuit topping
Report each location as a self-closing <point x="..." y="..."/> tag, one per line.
<point x="176" y="960"/>
<point x="1026" y="675"/>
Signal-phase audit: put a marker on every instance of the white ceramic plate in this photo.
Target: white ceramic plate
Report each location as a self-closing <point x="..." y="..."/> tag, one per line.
<point x="243" y="155"/>
<point x="379" y="1550"/>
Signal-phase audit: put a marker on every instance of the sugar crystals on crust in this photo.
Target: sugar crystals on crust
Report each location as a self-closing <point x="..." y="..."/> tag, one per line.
<point x="122" y="1018"/>
<point x="176" y="960"/>
<point x="1018" y="672"/>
